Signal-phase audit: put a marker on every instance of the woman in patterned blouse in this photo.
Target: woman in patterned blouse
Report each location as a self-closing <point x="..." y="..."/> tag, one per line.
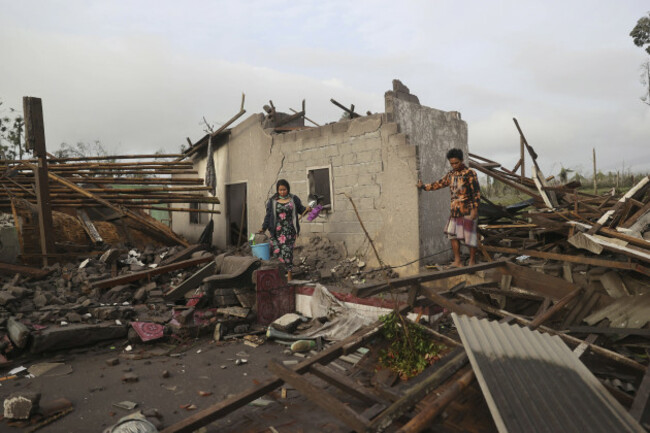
<point x="283" y="223"/>
<point x="465" y="197"/>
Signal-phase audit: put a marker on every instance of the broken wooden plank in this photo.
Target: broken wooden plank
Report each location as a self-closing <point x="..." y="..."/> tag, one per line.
<point x="443" y="370"/>
<point x="431" y="409"/>
<point x="9" y="269"/>
<point x="582" y="347"/>
<point x="619" y="204"/>
<point x="546" y="285"/>
<point x="191" y="283"/>
<point x="89" y="227"/>
<point x="638" y="214"/>
<point x="183" y="254"/>
<point x="448" y="304"/>
<point x="370" y="289"/>
<point x="641" y="399"/>
<point x="344" y="383"/>
<point x="135" y="276"/>
<point x="321" y="398"/>
<point x="572" y="258"/>
<point x="595" y="243"/>
<point x="503" y="179"/>
<point x="554" y="309"/>
<point x="642" y="332"/>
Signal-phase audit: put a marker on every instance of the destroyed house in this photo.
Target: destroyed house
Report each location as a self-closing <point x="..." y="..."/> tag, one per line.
<point x="374" y="161"/>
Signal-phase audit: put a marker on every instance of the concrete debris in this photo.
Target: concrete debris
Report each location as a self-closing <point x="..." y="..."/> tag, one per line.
<point x="21" y="405"/>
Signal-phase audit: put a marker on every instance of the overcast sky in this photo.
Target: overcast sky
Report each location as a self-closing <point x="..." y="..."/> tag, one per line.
<point x="139" y="75"/>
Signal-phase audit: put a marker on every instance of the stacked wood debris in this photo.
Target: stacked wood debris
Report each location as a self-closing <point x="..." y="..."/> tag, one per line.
<point x="101" y="200"/>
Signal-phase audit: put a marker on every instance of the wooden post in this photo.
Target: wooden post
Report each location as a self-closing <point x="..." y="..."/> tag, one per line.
<point x="35" y="140"/>
<point x="521" y="158"/>
<point x="595" y="181"/>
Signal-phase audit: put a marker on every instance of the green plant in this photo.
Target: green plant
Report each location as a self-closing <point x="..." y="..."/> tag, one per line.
<point x="410" y="350"/>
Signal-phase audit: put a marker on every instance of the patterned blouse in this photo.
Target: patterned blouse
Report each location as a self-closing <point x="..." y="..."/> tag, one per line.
<point x="464" y="188"/>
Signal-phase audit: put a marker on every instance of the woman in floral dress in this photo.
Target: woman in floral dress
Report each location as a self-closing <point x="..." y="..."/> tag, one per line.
<point x="282" y="221"/>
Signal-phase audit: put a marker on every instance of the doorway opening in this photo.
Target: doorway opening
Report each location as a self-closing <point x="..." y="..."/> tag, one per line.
<point x="237" y="214"/>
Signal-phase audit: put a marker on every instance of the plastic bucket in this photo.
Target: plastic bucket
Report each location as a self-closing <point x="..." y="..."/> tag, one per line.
<point x="261" y="251"/>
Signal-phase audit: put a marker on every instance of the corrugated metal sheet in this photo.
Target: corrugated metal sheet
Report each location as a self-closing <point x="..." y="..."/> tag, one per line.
<point x="533" y="382"/>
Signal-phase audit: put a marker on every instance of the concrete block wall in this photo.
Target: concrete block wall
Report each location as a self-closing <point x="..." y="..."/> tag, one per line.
<point x="431" y="133"/>
<point x="370" y="161"/>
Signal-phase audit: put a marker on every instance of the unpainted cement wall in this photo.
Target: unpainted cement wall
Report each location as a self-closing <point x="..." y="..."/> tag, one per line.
<point x="433" y="132"/>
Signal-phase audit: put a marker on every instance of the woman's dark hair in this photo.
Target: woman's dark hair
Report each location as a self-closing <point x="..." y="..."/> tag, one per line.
<point x="455" y="153"/>
<point x="282" y="182"/>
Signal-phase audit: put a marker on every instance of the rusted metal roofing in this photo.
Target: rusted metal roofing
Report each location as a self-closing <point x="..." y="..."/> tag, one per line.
<point x="533" y="382"/>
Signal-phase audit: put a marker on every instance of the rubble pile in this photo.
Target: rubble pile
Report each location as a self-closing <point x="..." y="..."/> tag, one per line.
<point x="78" y="304"/>
<point x="325" y="261"/>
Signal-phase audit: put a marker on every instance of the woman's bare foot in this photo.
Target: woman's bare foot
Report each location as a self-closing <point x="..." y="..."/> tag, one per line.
<point x="471" y="263"/>
<point x="456" y="265"/>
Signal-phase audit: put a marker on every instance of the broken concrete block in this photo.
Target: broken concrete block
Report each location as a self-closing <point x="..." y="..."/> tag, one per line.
<point x="6" y="298"/>
<point x="165" y="374"/>
<point x="73" y="317"/>
<point x="40" y="300"/>
<point x="112" y="361"/>
<point x="18" y="332"/>
<point x="130" y="378"/>
<point x="287" y="323"/>
<point x="21" y="405"/>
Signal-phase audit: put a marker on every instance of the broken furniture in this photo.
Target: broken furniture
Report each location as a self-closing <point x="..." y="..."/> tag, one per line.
<point x="233" y="284"/>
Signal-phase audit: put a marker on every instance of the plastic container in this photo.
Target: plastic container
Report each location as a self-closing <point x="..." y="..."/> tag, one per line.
<point x="261" y="251"/>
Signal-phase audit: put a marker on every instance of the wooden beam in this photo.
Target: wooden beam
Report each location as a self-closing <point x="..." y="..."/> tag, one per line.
<point x="442" y="371"/>
<point x="350" y="110"/>
<point x="321" y="398"/>
<point x="370" y="289"/>
<point x="222" y="128"/>
<point x="422" y="421"/>
<point x="608" y="331"/>
<point x="9" y="269"/>
<point x="508" y="182"/>
<point x="537" y="321"/>
<point x="35" y="140"/>
<point x="344" y="383"/>
<point x="572" y="258"/>
<point x="135" y="276"/>
<point x="640" y="404"/>
<point x="191" y="283"/>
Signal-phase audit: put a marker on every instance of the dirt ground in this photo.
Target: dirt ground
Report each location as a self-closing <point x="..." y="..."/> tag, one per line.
<point x="202" y="366"/>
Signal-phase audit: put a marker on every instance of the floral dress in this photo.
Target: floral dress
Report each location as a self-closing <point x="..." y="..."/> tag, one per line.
<point x="285" y="234"/>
